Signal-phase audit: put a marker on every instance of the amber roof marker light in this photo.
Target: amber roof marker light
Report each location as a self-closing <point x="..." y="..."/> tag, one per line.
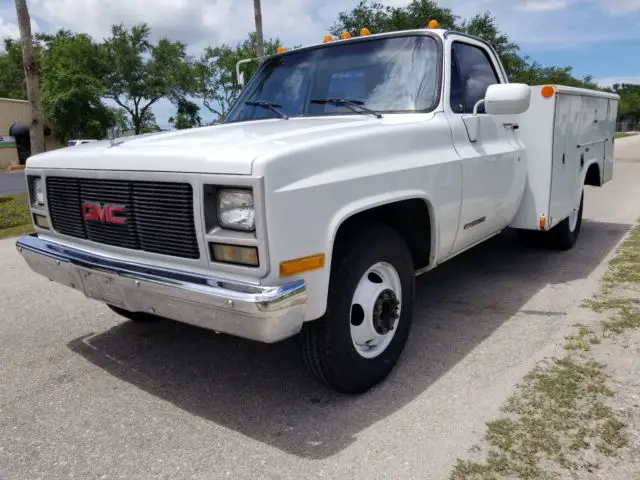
<point x="548" y="91"/>
<point x="433" y="23"/>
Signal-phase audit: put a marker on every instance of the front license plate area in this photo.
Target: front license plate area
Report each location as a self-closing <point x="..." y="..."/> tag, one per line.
<point x="102" y="287"/>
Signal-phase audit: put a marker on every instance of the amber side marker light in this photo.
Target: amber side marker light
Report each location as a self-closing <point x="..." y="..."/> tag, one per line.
<point x="543" y="222"/>
<point x="299" y="265"/>
<point x="548" y="91"/>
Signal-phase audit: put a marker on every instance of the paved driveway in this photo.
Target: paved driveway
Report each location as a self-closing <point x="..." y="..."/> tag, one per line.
<point x="12" y="182"/>
<point x="84" y="394"/>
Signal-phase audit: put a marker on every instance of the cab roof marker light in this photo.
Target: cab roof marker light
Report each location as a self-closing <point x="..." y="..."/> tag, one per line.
<point x="345" y="35"/>
<point x="433" y="24"/>
<point x="328" y="38"/>
<point x="281" y="49"/>
<point x="364" y="31"/>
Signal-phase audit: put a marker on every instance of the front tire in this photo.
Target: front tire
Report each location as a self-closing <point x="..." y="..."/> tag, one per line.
<point x="362" y="335"/>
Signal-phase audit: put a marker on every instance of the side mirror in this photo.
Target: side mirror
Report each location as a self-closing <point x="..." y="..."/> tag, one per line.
<point x="507" y="99"/>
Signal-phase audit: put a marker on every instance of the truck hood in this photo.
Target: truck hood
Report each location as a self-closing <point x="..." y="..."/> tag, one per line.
<point x="224" y="149"/>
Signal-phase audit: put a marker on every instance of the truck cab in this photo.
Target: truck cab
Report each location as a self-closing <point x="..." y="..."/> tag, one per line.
<point x="343" y="170"/>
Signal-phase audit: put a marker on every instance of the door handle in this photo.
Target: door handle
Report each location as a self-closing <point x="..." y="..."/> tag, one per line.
<point x="512" y="126"/>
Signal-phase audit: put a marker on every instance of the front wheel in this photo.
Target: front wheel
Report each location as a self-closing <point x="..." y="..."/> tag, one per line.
<point x="369" y="312"/>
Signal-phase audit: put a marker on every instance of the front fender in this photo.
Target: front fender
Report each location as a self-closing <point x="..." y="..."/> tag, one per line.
<point x="368" y="203"/>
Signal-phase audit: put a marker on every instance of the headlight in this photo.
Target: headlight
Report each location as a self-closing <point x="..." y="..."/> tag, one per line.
<point x="36" y="191"/>
<point x="235" y="209"/>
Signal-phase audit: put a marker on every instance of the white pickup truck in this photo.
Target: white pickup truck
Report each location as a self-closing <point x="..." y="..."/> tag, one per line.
<point x="344" y="170"/>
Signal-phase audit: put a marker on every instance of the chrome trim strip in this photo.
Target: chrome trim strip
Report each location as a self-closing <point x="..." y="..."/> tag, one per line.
<point x="595" y="142"/>
<point x="262" y="313"/>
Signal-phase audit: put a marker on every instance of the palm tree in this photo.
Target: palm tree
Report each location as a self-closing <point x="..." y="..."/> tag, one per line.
<point x="31" y="75"/>
<point x="259" y="39"/>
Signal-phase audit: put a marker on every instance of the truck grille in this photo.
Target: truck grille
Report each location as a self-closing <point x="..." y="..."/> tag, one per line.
<point x="157" y="216"/>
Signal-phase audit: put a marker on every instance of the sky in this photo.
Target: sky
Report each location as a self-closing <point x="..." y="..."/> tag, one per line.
<point x="596" y="37"/>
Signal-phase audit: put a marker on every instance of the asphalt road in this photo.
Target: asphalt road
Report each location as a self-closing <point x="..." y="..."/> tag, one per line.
<point x="12" y="182"/>
<point x="84" y="394"/>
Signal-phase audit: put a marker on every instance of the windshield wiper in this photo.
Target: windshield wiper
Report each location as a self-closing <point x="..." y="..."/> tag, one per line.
<point x="274" y="107"/>
<point x="355" y="105"/>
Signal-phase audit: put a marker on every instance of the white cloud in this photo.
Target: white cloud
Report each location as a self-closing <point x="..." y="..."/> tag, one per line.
<point x="620" y="7"/>
<point x="534" y="24"/>
<point x="544" y="5"/>
<point x="610" y="81"/>
<point x="196" y="22"/>
<point x="8" y="29"/>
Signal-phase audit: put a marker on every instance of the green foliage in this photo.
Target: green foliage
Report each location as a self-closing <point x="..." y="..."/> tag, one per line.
<point x="629" y="105"/>
<point x="188" y="115"/>
<point x="216" y="81"/>
<point x="15" y="216"/>
<point x="121" y="120"/>
<point x="148" y="123"/>
<point x="12" y="84"/>
<point x="379" y="18"/>
<point x="73" y="70"/>
<point x="142" y="73"/>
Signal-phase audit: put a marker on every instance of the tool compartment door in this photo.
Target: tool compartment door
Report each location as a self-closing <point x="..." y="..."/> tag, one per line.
<point x="612" y="113"/>
<point x="566" y="159"/>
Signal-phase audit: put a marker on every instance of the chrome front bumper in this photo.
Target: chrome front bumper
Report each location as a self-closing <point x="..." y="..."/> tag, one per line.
<point x="266" y="314"/>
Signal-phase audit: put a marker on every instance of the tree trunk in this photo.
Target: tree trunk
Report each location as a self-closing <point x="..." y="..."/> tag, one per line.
<point x="259" y="38"/>
<point x="31" y="74"/>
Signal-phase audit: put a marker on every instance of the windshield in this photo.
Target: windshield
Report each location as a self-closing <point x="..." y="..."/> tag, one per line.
<point x="396" y="74"/>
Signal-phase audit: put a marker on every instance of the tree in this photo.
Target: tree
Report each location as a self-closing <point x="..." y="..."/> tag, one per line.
<point x="216" y="80"/>
<point x="121" y="121"/>
<point x="629" y="104"/>
<point x="12" y="84"/>
<point x="379" y="18"/>
<point x="73" y="72"/>
<point x="142" y="73"/>
<point x="148" y="123"/>
<point x="32" y="77"/>
<point x="187" y="116"/>
<point x="257" y="10"/>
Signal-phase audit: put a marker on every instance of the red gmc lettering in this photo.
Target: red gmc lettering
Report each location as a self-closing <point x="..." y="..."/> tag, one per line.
<point x="103" y="213"/>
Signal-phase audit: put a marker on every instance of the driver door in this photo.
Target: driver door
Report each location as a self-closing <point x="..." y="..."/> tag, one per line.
<point x="493" y="170"/>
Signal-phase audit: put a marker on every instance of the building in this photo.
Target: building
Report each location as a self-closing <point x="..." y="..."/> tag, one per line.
<point x="16" y="112"/>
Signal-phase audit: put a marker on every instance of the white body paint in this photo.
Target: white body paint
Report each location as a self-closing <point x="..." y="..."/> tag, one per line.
<point x="312" y="174"/>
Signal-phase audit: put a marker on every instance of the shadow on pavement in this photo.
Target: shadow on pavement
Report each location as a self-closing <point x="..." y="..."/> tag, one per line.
<point x="264" y="391"/>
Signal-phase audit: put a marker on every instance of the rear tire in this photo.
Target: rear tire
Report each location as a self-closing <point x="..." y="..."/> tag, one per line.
<point x="138" y="317"/>
<point x="531" y="238"/>
<point x="564" y="235"/>
<point x="362" y="335"/>
<point x="561" y="237"/>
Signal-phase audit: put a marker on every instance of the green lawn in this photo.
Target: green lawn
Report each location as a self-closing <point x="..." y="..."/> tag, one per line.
<point x="623" y="135"/>
<point x="15" y="218"/>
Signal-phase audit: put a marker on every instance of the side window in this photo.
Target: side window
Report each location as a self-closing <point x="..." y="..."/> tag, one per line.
<point x="475" y="74"/>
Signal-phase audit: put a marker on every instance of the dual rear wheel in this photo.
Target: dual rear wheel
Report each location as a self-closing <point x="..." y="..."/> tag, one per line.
<point x="561" y="237"/>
